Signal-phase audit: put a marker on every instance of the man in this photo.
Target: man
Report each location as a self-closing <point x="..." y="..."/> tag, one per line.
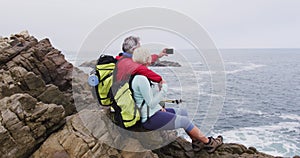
<point x="126" y="67"/>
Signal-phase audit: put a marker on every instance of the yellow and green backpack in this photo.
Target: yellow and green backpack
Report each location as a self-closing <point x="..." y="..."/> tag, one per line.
<point x="104" y="71"/>
<point x="119" y="96"/>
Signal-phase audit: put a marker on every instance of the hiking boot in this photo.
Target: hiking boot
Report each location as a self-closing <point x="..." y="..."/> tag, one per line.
<point x="197" y="145"/>
<point x="213" y="144"/>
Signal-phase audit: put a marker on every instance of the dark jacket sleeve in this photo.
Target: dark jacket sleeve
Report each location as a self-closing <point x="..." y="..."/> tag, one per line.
<point x="152" y="76"/>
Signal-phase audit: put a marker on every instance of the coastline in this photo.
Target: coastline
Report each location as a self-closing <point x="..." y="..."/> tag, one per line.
<point x="39" y="106"/>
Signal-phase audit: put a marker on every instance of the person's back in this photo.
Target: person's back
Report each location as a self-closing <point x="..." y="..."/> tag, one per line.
<point x="142" y="92"/>
<point x="125" y="68"/>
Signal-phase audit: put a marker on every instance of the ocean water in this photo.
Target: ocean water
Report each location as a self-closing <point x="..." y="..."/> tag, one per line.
<point x="262" y="103"/>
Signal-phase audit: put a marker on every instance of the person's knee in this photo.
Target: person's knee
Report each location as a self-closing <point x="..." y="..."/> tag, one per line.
<point x="182" y="122"/>
<point x="182" y="112"/>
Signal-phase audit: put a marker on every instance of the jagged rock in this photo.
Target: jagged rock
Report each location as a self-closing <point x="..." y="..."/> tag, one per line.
<point x="35" y="93"/>
<point x="35" y="67"/>
<point x="82" y="137"/>
<point x="82" y="92"/>
<point x="89" y="64"/>
<point x="181" y="148"/>
<point x="25" y="123"/>
<point x="19" y="80"/>
<point x="38" y="57"/>
<point x="92" y="137"/>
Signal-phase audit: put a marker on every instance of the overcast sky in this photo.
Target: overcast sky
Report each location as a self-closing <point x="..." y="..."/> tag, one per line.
<point x="230" y="23"/>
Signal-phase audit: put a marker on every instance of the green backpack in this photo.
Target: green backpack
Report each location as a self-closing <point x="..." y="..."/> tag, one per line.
<point x="126" y="112"/>
<point x="119" y="96"/>
<point x="104" y="70"/>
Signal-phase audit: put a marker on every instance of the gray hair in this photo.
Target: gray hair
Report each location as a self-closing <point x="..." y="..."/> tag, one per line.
<point x="141" y="55"/>
<point x="130" y="43"/>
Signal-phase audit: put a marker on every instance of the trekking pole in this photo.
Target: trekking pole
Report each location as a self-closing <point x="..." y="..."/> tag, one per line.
<point x="173" y="101"/>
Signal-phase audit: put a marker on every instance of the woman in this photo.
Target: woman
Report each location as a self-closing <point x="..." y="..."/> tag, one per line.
<point x="154" y="117"/>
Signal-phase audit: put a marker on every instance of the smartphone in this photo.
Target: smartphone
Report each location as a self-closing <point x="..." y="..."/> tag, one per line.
<point x="170" y="51"/>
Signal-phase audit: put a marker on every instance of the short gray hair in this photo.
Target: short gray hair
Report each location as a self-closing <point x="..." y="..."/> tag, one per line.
<point x="141" y="55"/>
<point x="130" y="43"/>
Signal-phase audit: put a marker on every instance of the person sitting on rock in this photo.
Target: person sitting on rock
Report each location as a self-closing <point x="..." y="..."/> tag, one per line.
<point x="165" y="118"/>
<point x="126" y="67"/>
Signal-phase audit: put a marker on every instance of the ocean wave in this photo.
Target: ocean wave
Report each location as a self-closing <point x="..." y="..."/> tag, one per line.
<point x="240" y="68"/>
<point x="281" y="139"/>
<point x="248" y="67"/>
<point x="290" y="117"/>
<point x="247" y="111"/>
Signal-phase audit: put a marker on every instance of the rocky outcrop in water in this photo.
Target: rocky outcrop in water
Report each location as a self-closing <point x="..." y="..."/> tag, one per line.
<point x="47" y="110"/>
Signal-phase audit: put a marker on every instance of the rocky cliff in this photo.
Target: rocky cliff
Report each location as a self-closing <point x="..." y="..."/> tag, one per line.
<point x="39" y="118"/>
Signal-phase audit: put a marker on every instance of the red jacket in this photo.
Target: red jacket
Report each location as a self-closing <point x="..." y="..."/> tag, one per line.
<point x="126" y="67"/>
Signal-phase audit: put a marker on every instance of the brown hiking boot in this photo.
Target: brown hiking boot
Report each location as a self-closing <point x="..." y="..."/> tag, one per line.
<point x="197" y="145"/>
<point x="213" y="144"/>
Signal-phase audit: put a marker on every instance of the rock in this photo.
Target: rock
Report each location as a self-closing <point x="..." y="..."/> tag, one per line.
<point x="166" y="64"/>
<point x="82" y="92"/>
<point x="4" y="43"/>
<point x="25" y="123"/>
<point x="34" y="97"/>
<point x="91" y="64"/>
<point x="81" y="137"/>
<point x="38" y="57"/>
<point x="35" y="67"/>
<point x="181" y="148"/>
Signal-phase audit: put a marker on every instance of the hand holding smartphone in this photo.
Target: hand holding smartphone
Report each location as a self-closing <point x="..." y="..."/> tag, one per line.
<point x="170" y="51"/>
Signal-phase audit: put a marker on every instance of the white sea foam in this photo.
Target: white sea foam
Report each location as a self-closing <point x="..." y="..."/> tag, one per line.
<point x="211" y="95"/>
<point x="234" y="63"/>
<point x="196" y="64"/>
<point x="248" y="67"/>
<point x="204" y="72"/>
<point x="291" y="117"/>
<point x="247" y="111"/>
<point x="278" y="139"/>
<point x="240" y="68"/>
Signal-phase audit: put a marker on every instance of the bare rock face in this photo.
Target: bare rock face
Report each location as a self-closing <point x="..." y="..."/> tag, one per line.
<point x="25" y="123"/>
<point x="35" y="93"/>
<point x="36" y="68"/>
<point x="82" y="137"/>
<point x="182" y="149"/>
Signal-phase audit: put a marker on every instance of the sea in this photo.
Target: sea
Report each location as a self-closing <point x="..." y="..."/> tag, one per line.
<point x="256" y="103"/>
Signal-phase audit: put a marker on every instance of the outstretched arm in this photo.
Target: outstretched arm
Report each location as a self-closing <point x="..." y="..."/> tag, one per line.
<point x="152" y="76"/>
<point x="155" y="57"/>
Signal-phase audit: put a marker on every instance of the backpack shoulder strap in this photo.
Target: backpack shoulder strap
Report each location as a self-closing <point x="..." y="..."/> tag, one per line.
<point x="143" y="103"/>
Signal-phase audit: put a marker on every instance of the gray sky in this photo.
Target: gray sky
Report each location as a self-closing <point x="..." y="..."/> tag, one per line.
<point x="230" y="23"/>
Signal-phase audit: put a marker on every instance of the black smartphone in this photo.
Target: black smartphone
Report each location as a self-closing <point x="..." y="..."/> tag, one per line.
<point x="170" y="51"/>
